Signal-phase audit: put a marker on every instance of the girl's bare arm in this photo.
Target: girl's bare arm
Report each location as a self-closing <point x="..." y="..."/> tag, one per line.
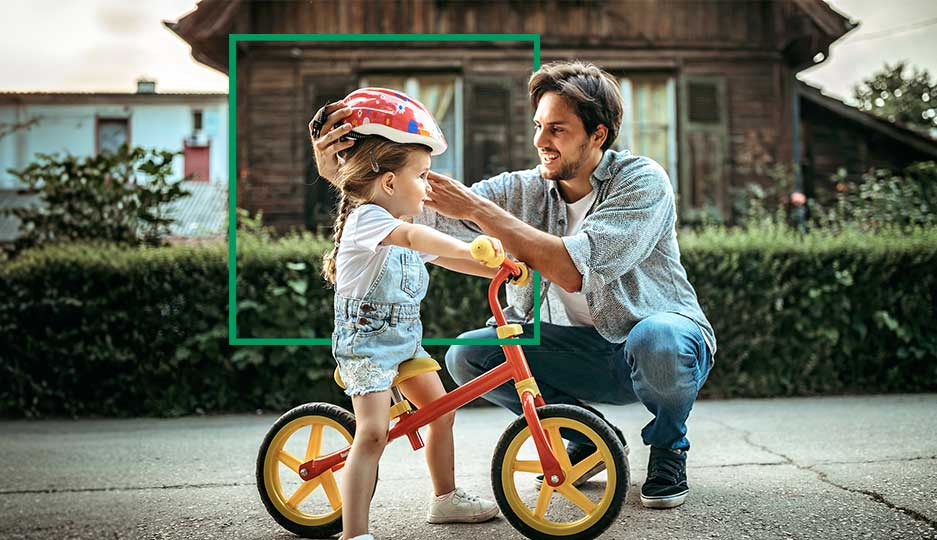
<point x="472" y="268"/>
<point x="428" y="240"/>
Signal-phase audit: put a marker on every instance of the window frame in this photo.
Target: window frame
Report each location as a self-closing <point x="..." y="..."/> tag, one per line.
<point x="626" y="134"/>
<point x="98" y="120"/>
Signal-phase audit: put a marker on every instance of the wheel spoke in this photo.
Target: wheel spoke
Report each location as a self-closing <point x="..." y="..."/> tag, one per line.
<point x="559" y="450"/>
<point x="303" y="491"/>
<point x="543" y="500"/>
<point x="577" y="497"/>
<point x="583" y="466"/>
<point x="331" y="489"/>
<point x="527" y="466"/>
<point x="289" y="460"/>
<point x="315" y="442"/>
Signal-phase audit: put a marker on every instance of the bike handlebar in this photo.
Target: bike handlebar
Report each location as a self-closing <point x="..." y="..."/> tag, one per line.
<point x="484" y="252"/>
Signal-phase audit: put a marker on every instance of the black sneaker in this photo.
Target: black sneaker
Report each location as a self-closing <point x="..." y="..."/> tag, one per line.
<point x="666" y="485"/>
<point x="579" y="451"/>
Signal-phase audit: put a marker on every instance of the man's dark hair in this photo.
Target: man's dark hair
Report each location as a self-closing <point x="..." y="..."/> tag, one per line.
<point x="593" y="93"/>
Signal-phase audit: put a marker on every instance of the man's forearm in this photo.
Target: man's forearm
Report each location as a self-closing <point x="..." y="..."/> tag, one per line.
<point x="542" y="251"/>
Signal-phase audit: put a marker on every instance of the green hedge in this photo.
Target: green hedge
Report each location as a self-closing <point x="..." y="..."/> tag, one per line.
<point x="817" y="314"/>
<point x="98" y="330"/>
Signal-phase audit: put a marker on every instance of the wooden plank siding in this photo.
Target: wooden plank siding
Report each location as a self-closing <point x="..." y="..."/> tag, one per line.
<point x="279" y="156"/>
<point x="749" y="44"/>
<point x="832" y="142"/>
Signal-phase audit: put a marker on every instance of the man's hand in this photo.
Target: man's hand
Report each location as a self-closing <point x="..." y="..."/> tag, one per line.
<point x="325" y="140"/>
<point x="451" y="198"/>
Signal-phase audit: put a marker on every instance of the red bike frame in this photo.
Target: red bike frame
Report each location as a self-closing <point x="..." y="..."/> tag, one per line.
<point x="514" y="368"/>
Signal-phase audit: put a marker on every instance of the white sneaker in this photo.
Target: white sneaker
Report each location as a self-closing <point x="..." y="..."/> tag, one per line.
<point x="460" y="507"/>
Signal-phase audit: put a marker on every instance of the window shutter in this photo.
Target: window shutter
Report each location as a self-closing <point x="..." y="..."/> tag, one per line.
<point x="487" y="127"/>
<point x="704" y="143"/>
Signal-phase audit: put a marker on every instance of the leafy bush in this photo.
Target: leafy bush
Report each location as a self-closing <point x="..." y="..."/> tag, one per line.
<point x="881" y="199"/>
<point x="818" y="313"/>
<point x="120" y="197"/>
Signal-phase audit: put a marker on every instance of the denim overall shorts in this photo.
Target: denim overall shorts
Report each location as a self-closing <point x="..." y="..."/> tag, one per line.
<point x="375" y="334"/>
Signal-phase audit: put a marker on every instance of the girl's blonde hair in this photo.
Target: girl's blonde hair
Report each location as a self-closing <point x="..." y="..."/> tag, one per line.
<point x="365" y="162"/>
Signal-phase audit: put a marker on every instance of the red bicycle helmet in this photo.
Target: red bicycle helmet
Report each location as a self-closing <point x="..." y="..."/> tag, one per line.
<point x="395" y="116"/>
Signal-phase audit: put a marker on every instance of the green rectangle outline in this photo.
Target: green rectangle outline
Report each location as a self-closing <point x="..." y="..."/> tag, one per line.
<point x="232" y="178"/>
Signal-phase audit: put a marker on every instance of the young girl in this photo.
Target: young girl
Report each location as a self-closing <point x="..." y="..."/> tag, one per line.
<point x="377" y="267"/>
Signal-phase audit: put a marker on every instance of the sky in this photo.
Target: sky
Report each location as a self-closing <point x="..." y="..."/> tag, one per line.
<point x="106" y="45"/>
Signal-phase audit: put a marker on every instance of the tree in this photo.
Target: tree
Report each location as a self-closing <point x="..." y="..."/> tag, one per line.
<point x="121" y="197"/>
<point x="9" y="128"/>
<point x="901" y="94"/>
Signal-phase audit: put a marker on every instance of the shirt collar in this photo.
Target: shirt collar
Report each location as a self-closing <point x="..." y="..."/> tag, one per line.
<point x="603" y="171"/>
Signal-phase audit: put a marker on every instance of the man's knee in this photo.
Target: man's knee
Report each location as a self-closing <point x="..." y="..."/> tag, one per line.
<point x="653" y="340"/>
<point x="654" y="350"/>
<point x="465" y="362"/>
<point x="457" y="362"/>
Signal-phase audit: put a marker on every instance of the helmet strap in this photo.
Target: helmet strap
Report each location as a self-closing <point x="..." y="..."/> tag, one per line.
<point x="374" y="165"/>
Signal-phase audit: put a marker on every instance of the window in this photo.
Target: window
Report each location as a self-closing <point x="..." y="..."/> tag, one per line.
<point x="112" y="133"/>
<point x="649" y="126"/>
<point x="196" y="120"/>
<point x="442" y="95"/>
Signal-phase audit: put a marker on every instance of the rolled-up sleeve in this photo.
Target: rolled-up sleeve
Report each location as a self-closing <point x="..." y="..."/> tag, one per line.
<point x="623" y="229"/>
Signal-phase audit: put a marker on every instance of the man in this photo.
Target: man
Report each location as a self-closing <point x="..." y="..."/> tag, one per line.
<point x="621" y="322"/>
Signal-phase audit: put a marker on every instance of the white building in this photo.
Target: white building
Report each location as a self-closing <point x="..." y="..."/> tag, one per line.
<point x="84" y="124"/>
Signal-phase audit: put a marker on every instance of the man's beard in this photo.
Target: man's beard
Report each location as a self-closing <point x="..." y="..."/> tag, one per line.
<point x="568" y="168"/>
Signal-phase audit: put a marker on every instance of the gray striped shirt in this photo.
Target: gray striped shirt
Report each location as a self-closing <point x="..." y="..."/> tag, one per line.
<point x="626" y="248"/>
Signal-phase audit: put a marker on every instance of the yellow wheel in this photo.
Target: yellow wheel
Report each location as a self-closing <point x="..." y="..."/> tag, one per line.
<point x="542" y="512"/>
<point x="310" y="508"/>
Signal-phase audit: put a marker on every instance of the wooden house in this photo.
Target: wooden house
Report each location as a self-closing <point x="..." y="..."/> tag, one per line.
<point x="709" y="87"/>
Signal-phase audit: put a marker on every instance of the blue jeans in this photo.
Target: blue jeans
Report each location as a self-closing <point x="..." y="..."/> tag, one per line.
<point x="663" y="364"/>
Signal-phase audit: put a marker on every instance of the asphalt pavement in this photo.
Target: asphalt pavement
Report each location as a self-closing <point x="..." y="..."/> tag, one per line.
<point x="830" y="468"/>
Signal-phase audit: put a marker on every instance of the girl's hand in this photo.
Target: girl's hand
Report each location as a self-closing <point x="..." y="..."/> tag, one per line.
<point x="496" y="244"/>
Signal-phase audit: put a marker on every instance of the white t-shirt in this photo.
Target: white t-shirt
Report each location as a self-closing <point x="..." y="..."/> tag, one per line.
<point x="360" y="252"/>
<point x="577" y="310"/>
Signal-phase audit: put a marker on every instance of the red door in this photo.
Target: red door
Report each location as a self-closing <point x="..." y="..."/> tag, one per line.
<point x="197" y="162"/>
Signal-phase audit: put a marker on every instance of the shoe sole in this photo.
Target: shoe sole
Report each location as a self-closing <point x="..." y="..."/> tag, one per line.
<point x="538" y="482"/>
<point x="464" y="519"/>
<point x="664" y="502"/>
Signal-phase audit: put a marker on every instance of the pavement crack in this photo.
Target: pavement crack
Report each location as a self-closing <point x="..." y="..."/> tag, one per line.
<point x="875" y="496"/>
<point x="744" y="464"/>
<point x="824" y="477"/>
<point x="127" y="488"/>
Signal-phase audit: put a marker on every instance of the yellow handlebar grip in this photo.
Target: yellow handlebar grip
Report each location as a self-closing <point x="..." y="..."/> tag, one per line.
<point x="483" y="251"/>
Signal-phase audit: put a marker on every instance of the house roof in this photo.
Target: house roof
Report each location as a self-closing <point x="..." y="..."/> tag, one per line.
<point x="898" y="132"/>
<point x="826" y="18"/>
<point x="200" y="215"/>
<point x="206" y="28"/>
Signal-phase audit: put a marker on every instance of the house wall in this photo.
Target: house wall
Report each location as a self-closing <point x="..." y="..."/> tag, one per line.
<point x="281" y="85"/>
<point x="832" y="142"/>
<point x="743" y="49"/>
<point x="71" y="128"/>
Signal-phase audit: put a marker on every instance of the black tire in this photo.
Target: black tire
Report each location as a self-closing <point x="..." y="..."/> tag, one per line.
<point x="325" y="410"/>
<point x="586" y="421"/>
